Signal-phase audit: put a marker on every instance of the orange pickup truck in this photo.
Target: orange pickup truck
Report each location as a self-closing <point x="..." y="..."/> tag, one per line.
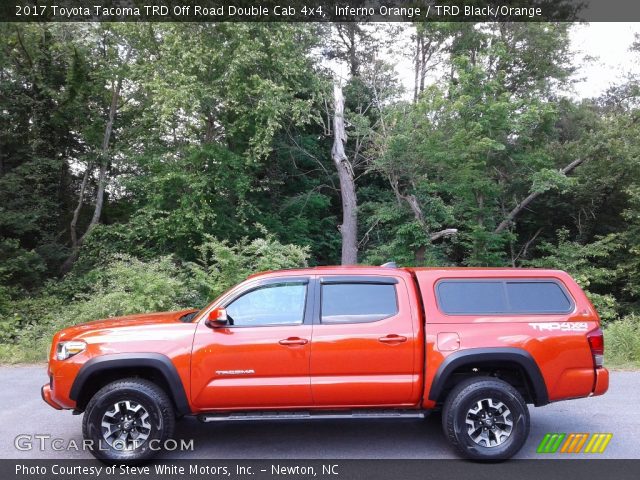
<point x="477" y="344"/>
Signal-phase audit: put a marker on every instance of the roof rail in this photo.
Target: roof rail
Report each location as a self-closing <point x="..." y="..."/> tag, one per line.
<point x="390" y="265"/>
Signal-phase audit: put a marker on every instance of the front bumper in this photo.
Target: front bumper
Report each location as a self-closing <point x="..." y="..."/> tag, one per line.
<point x="601" y="384"/>
<point x="45" y="391"/>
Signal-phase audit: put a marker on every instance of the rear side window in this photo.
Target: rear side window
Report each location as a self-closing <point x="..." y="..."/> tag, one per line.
<point x="462" y="297"/>
<point x="357" y="302"/>
<point x="477" y="297"/>
<point x="537" y="297"/>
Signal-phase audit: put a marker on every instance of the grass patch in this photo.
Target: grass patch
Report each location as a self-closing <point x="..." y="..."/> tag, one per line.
<point x="20" y="353"/>
<point x="622" y="343"/>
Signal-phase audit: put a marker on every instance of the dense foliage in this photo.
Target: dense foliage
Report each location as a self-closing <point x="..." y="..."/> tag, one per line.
<point x="151" y="166"/>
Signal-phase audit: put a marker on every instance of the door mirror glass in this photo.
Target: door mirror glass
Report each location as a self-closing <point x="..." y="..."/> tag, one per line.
<point x="217" y="318"/>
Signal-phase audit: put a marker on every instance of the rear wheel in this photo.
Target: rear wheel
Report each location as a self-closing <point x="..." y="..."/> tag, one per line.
<point x="128" y="420"/>
<point x="486" y="419"/>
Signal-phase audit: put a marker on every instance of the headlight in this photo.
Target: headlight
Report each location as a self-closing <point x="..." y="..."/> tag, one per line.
<point x="65" y="350"/>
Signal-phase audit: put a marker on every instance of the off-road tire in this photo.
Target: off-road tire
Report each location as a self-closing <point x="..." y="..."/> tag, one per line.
<point x="464" y="397"/>
<point x="148" y="395"/>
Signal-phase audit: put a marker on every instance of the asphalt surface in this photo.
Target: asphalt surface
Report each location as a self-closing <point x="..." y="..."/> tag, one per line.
<point x="23" y="412"/>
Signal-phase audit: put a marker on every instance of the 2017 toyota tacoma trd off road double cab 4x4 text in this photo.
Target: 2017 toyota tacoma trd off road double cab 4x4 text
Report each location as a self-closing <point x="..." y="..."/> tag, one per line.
<point x="479" y="344"/>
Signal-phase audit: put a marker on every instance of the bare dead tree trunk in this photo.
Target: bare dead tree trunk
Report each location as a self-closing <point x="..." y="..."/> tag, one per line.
<point x="102" y="180"/>
<point x="530" y="198"/>
<point x="211" y="128"/>
<point x="353" y="58"/>
<point x="76" y="212"/>
<point x="417" y="67"/>
<point x="412" y="201"/>
<point x="416" y="209"/>
<point x="426" y="48"/>
<point x="525" y="248"/>
<point x="104" y="160"/>
<point x="425" y="53"/>
<point x="480" y="204"/>
<point x="349" y="227"/>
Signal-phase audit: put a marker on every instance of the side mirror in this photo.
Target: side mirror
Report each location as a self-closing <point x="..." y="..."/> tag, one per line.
<point x="217" y="318"/>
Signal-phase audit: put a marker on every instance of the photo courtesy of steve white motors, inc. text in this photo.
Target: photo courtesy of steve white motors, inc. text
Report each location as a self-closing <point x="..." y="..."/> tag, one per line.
<point x="168" y="469"/>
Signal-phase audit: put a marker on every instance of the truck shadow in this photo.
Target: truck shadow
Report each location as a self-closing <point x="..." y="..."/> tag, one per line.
<point x="347" y="438"/>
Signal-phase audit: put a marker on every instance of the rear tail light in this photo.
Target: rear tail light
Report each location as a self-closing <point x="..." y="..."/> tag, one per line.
<point x="596" y="343"/>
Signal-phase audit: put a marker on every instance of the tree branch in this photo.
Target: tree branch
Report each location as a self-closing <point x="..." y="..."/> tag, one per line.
<point x="413" y="203"/>
<point x="24" y="49"/>
<point x="530" y="198"/>
<point x="447" y="232"/>
<point x="523" y="251"/>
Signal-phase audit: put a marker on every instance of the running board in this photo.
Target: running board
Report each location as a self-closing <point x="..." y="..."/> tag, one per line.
<point x="307" y="415"/>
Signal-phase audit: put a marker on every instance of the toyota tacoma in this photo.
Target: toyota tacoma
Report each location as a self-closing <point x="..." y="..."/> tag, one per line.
<point x="479" y="345"/>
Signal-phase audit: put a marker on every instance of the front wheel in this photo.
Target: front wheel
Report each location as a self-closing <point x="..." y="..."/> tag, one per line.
<point x="128" y="420"/>
<point x="486" y="419"/>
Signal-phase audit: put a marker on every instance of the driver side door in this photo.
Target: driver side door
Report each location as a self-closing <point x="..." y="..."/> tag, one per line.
<point x="261" y="358"/>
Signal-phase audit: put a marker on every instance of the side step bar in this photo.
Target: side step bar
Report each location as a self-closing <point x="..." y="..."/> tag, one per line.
<point x="308" y="415"/>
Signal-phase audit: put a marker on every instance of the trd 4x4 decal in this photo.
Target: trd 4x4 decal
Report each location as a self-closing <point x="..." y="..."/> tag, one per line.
<point x="560" y="326"/>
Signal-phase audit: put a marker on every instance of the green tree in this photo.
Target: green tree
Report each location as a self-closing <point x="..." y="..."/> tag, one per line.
<point x="458" y="158"/>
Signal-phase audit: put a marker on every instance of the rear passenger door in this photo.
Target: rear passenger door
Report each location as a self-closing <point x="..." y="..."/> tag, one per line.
<point x="363" y="343"/>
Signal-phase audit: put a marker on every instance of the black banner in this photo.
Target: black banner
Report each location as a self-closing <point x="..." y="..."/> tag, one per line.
<point x="579" y="469"/>
<point x="319" y="10"/>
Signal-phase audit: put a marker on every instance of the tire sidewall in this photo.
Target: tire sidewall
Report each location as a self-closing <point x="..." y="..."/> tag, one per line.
<point x="512" y="445"/>
<point x="101" y="449"/>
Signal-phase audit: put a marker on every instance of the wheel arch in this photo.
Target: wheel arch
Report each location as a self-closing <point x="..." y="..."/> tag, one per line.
<point x="486" y="358"/>
<point x="103" y="369"/>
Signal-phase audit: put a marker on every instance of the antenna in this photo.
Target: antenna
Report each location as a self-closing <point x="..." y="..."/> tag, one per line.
<point x="389" y="265"/>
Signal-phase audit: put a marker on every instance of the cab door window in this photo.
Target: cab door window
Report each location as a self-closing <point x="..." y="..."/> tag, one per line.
<point x="272" y="304"/>
<point x="358" y="302"/>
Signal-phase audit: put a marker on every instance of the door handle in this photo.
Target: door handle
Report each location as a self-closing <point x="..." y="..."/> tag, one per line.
<point x="393" y="338"/>
<point x="294" y="341"/>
